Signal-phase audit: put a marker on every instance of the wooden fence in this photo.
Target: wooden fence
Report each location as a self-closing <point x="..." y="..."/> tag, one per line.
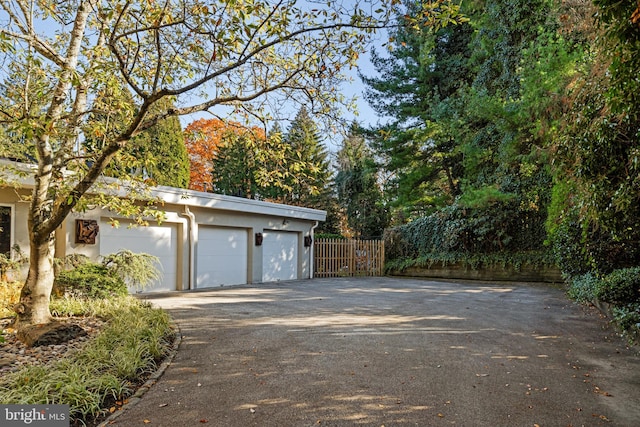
<point x="339" y="258"/>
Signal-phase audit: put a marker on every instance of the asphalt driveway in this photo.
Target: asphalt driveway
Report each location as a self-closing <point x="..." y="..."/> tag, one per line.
<point x="390" y="352"/>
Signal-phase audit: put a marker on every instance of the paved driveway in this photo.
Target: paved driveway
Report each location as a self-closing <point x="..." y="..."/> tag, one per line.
<point x="390" y="352"/>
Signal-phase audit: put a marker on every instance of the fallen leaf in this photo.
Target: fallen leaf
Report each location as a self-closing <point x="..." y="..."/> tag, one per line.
<point x="440" y="415"/>
<point x="204" y="421"/>
<point x="146" y="421"/>
<point x="112" y="409"/>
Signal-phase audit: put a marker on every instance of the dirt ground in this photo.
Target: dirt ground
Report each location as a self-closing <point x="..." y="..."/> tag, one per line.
<point x="390" y="352"/>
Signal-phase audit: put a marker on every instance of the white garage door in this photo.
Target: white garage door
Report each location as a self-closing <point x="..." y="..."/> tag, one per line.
<point x="222" y="257"/>
<point x="279" y="256"/>
<point x="158" y="240"/>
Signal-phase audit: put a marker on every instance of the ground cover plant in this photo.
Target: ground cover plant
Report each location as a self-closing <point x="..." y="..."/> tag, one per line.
<point x="135" y="338"/>
<point x="620" y="293"/>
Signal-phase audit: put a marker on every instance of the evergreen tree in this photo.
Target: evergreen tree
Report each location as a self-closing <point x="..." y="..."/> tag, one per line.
<point x="306" y="163"/>
<point x="469" y="104"/>
<point x="162" y="146"/>
<point x="158" y="155"/>
<point x="234" y="164"/>
<point x="357" y="187"/>
<point x="418" y="87"/>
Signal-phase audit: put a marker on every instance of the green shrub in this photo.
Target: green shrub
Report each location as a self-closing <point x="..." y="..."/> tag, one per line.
<point x="628" y="317"/>
<point x="584" y="288"/>
<point x="11" y="261"/>
<point x="135" y="338"/>
<point x="498" y="234"/>
<point x="89" y="280"/>
<point x="138" y="270"/>
<point x="620" y="287"/>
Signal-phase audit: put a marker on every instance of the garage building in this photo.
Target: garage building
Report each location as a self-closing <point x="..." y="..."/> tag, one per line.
<point x="207" y="240"/>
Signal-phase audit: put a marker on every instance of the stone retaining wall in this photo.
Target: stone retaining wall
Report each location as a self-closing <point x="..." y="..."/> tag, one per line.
<point x="460" y="271"/>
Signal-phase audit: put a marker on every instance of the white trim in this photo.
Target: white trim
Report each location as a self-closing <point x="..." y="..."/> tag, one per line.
<point x="194" y="198"/>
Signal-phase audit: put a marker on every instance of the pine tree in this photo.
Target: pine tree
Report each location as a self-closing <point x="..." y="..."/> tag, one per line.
<point x="418" y="87"/>
<point x="235" y="165"/>
<point x="166" y="161"/>
<point x="357" y="187"/>
<point x="306" y="174"/>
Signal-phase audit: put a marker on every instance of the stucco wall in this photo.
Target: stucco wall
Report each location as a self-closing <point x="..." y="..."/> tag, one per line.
<point x="186" y="211"/>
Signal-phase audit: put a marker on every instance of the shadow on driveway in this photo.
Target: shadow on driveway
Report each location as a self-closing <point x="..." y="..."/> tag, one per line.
<point x="390" y="352"/>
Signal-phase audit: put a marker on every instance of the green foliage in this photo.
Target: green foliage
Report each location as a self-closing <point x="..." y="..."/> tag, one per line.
<point x="357" y="188"/>
<point x="164" y="152"/>
<point x="135" y="338"/>
<point x="306" y="164"/>
<point x="597" y="151"/>
<point x="469" y="121"/>
<point x="89" y="280"/>
<point x="620" y="287"/>
<point x="82" y="278"/>
<point x="488" y="235"/>
<point x="583" y="288"/>
<point x="628" y="319"/>
<point x="235" y="166"/>
<point x="158" y="155"/>
<point x="419" y="85"/>
<point x="328" y="236"/>
<point x="291" y="168"/>
<point x="11" y="261"/>
<point x="137" y="270"/>
<point x="486" y="196"/>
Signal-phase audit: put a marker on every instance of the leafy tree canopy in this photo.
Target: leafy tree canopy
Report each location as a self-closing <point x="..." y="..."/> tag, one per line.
<point x="73" y="71"/>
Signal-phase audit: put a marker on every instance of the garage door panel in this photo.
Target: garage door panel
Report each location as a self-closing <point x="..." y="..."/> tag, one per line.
<point x="222" y="256"/>
<point x="279" y="256"/>
<point x="159" y="241"/>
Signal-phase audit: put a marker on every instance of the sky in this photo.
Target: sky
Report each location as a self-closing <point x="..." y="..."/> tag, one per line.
<point x="356" y="88"/>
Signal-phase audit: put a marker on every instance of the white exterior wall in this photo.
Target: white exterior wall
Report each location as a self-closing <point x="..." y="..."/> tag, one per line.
<point x="186" y="213"/>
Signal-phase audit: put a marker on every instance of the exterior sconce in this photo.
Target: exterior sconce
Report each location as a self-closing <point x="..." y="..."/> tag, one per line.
<point x="259" y="239"/>
<point x="86" y="231"/>
<point x="308" y="240"/>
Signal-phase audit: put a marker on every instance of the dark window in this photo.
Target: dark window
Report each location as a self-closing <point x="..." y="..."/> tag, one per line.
<point x="5" y="230"/>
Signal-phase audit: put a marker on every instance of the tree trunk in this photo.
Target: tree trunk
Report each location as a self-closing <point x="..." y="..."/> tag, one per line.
<point x="33" y="308"/>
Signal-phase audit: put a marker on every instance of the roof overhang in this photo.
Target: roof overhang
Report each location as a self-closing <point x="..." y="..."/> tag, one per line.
<point x="22" y="175"/>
